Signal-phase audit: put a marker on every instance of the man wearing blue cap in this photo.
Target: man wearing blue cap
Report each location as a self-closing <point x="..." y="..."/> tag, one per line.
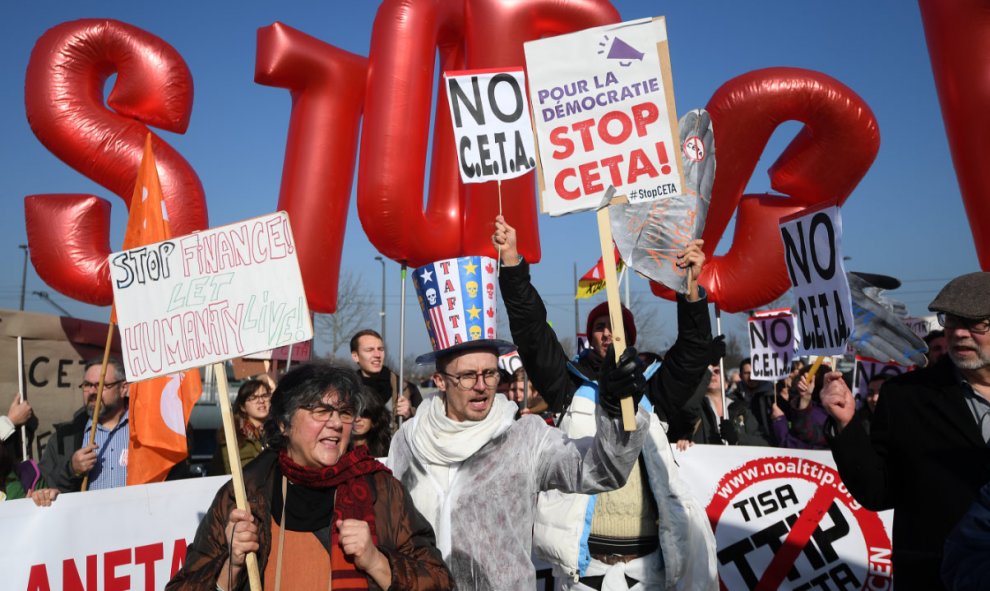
<point x="651" y="534"/>
<point x="474" y="471"/>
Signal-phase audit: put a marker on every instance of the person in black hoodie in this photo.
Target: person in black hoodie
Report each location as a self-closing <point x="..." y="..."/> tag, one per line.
<point x="368" y="351"/>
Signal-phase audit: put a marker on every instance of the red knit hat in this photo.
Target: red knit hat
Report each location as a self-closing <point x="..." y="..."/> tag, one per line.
<point x="628" y="323"/>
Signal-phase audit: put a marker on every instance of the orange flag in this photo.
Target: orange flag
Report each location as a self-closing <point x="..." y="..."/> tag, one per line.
<point x="160" y="407"/>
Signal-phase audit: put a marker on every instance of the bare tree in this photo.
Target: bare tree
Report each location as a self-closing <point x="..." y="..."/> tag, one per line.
<point x="334" y="331"/>
<point x="649" y="326"/>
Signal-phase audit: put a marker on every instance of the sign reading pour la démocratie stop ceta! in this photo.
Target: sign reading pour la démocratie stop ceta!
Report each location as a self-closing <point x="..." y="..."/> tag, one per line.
<point x="603" y="111"/>
<point x="209" y="296"/>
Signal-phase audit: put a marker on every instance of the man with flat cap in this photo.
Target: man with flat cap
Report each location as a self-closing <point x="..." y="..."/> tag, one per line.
<point x="471" y="469"/>
<point x="927" y="453"/>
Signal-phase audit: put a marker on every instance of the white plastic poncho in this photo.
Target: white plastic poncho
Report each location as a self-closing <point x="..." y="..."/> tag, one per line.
<point x="477" y="482"/>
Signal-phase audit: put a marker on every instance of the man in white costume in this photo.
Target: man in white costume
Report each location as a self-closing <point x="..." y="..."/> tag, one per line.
<point x="475" y="472"/>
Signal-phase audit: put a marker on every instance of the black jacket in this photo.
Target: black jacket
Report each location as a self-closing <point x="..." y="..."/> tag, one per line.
<point x="925" y="458"/>
<point x="739" y="414"/>
<point x="546" y="364"/>
<point x="55" y="464"/>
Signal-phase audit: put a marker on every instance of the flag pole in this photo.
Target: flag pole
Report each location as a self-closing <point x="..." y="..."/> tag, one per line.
<point x="237" y="476"/>
<point x="99" y="392"/>
<point x="402" y="346"/>
<point x="20" y="393"/>
<point x="614" y="307"/>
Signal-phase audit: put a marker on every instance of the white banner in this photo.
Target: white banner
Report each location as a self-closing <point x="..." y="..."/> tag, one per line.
<point x="603" y="107"/>
<point x="491" y="123"/>
<point x="771" y="346"/>
<point x="109" y="540"/>
<point x="923" y="325"/>
<point x="209" y="296"/>
<point x="783" y="520"/>
<point x="813" y="253"/>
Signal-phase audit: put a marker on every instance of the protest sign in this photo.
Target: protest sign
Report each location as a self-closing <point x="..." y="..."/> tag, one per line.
<point x="783" y="519"/>
<point x="55" y="350"/>
<point x="923" y="325"/>
<point x="650" y="234"/>
<point x="491" y="123"/>
<point x="209" y="296"/>
<point x="869" y="369"/>
<point x="771" y="345"/>
<point x="135" y="537"/>
<point x="813" y="253"/>
<point x="603" y="111"/>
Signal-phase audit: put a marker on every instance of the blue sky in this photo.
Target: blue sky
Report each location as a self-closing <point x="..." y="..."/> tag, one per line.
<point x="905" y="219"/>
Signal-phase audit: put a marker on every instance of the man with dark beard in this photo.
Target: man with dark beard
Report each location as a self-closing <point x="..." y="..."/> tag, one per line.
<point x="926" y="455"/>
<point x="68" y="455"/>
<point x="368" y="351"/>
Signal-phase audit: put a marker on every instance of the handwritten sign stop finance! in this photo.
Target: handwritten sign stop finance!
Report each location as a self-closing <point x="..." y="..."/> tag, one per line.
<point x="209" y="296"/>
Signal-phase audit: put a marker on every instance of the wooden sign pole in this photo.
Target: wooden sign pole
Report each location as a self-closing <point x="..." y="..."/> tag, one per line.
<point x="614" y="307"/>
<point x="230" y="436"/>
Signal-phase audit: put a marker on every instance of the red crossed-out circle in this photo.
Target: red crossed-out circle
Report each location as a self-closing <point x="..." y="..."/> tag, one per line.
<point x="790" y="467"/>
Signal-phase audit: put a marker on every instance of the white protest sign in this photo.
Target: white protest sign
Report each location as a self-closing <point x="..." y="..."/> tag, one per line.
<point x="123" y="538"/>
<point x="813" y="253"/>
<point x="491" y="123"/>
<point x="868" y="370"/>
<point x="923" y="325"/>
<point x="209" y="296"/>
<point x="603" y="108"/>
<point x="771" y="345"/>
<point x="783" y="519"/>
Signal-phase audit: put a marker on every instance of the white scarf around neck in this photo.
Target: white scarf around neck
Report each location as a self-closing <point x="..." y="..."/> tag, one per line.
<point x="437" y="439"/>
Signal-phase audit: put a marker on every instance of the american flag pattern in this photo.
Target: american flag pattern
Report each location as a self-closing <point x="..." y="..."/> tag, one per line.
<point x="458" y="300"/>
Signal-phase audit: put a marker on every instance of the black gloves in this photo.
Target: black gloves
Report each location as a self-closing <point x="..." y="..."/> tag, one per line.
<point x="716" y="350"/>
<point x="618" y="380"/>
<point x="727" y="430"/>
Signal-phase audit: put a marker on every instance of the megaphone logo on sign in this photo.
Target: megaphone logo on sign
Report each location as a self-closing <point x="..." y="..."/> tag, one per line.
<point x="621" y="51"/>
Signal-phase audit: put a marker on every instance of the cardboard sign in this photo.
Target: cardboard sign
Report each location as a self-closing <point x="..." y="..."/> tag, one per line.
<point x="491" y="123"/>
<point x="783" y="519"/>
<point x="603" y="110"/>
<point x="209" y="296"/>
<point x="813" y="252"/>
<point x="868" y="369"/>
<point x="771" y="346"/>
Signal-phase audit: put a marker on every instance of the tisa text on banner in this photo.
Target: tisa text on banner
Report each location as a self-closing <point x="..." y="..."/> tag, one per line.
<point x="813" y="253"/>
<point x="209" y="296"/>
<point x="603" y="105"/>
<point x="491" y="123"/>
<point x="771" y="345"/>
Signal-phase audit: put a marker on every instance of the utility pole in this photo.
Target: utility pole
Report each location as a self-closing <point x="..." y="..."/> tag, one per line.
<point x="382" y="313"/>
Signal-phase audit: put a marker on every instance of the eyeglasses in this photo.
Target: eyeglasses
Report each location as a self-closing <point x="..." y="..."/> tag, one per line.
<point x="323" y="412"/>
<point x="951" y="321"/>
<point x="468" y="379"/>
<point x="106" y="385"/>
<point x="258" y="397"/>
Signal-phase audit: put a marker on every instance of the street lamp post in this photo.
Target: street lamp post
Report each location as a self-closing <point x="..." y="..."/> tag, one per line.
<point x="382" y="313"/>
<point x="24" y="273"/>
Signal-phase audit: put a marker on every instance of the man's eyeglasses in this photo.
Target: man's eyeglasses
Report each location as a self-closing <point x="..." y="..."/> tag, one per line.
<point x="258" y="397"/>
<point x="323" y="412"/>
<point x="468" y="379"/>
<point x="106" y="385"/>
<point x="951" y="321"/>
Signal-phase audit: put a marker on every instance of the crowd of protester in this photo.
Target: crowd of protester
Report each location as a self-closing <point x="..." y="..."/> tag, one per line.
<point x="321" y="426"/>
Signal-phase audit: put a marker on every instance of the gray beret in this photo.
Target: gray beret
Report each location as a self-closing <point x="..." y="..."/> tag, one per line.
<point x="966" y="296"/>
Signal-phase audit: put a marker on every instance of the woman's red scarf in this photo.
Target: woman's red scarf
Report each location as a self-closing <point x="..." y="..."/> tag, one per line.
<point x="353" y="500"/>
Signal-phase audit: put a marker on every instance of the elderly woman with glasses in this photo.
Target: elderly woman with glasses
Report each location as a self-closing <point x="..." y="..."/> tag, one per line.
<point x="322" y="516"/>
<point x="251" y="408"/>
